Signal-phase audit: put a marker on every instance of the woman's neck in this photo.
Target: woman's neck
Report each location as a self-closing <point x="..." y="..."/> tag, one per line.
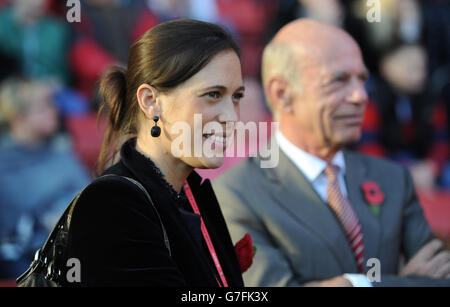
<point x="175" y="171"/>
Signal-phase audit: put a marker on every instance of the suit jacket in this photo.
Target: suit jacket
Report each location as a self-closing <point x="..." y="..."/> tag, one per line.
<point x="117" y="236"/>
<point x="297" y="236"/>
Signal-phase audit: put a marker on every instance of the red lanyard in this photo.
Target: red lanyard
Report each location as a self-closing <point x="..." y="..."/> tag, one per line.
<point x="205" y="233"/>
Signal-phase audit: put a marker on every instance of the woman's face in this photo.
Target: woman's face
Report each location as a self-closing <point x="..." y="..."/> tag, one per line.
<point x="198" y="117"/>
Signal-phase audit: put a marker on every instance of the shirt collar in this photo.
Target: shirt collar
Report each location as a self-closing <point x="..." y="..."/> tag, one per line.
<point x="311" y="166"/>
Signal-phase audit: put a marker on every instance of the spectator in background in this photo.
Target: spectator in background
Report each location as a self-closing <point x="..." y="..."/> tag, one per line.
<point x="38" y="42"/>
<point x="204" y="10"/>
<point x="327" y="11"/>
<point x="332" y="12"/>
<point x="250" y="21"/>
<point x="38" y="173"/>
<point x="408" y="54"/>
<point x="437" y="39"/>
<point x="246" y="19"/>
<point x="402" y="23"/>
<point x="405" y="107"/>
<point x="95" y="49"/>
<point x="35" y="44"/>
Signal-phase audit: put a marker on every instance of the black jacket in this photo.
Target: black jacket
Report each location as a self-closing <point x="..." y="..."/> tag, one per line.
<point x="117" y="236"/>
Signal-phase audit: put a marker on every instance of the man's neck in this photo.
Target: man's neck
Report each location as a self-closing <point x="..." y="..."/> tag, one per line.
<point x="307" y="144"/>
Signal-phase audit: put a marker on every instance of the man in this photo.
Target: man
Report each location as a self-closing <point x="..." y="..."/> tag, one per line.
<point x="323" y="212"/>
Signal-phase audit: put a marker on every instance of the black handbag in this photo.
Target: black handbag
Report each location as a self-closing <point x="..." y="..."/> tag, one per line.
<point x="47" y="267"/>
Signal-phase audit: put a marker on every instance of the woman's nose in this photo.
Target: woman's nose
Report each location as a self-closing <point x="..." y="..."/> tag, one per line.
<point x="229" y="112"/>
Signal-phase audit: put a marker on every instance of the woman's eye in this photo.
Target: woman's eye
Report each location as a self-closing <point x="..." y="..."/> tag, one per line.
<point x="238" y="96"/>
<point x="214" y="95"/>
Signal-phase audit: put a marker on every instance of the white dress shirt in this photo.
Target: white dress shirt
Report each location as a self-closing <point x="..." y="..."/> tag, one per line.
<point x="313" y="168"/>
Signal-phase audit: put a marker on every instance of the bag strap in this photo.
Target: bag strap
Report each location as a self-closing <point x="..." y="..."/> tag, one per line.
<point x="68" y="213"/>
<point x="60" y="224"/>
<point x="65" y="220"/>
<point x="38" y="262"/>
<point x="166" y="238"/>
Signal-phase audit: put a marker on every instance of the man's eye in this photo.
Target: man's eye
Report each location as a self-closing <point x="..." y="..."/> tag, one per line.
<point x="342" y="78"/>
<point x="364" y="78"/>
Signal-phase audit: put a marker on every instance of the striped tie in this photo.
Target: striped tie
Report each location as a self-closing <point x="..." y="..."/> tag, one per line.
<point x="344" y="212"/>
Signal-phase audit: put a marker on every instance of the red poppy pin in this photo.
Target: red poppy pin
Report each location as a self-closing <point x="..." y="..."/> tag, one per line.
<point x="374" y="196"/>
<point x="245" y="251"/>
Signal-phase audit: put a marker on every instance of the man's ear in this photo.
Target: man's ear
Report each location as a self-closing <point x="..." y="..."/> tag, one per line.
<point x="280" y="94"/>
<point x="147" y="98"/>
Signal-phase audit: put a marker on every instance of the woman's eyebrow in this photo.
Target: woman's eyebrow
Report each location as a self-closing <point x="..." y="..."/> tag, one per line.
<point x="215" y="87"/>
<point x="223" y="88"/>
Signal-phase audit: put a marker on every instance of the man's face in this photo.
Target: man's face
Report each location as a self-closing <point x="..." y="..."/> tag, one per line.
<point x="331" y="106"/>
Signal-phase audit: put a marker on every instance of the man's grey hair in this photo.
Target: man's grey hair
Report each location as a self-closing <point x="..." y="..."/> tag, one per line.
<point x="278" y="59"/>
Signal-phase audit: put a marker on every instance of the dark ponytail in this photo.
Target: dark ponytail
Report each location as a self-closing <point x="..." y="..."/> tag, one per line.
<point x="113" y="91"/>
<point x="164" y="57"/>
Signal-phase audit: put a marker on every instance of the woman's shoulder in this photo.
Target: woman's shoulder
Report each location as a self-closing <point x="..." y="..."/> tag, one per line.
<point x="112" y="187"/>
<point x="112" y="196"/>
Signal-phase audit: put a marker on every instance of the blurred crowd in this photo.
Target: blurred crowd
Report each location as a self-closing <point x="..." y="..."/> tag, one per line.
<point x="50" y="68"/>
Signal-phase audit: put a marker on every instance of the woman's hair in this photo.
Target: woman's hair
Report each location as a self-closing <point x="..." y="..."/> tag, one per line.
<point x="164" y="57"/>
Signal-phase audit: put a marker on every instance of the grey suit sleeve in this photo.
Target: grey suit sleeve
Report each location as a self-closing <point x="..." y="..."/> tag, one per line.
<point x="416" y="233"/>
<point x="270" y="267"/>
<point x="415" y="229"/>
<point x="411" y="281"/>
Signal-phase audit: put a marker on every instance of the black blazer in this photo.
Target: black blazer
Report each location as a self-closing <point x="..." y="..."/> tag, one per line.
<point x="117" y="236"/>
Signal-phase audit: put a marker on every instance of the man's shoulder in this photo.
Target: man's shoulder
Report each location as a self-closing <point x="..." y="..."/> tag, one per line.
<point x="378" y="164"/>
<point x="244" y="179"/>
<point x="245" y="169"/>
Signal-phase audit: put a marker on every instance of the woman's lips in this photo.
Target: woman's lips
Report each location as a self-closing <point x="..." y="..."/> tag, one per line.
<point x="219" y="141"/>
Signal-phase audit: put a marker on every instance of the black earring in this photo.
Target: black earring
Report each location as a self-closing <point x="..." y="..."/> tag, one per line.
<point x="156" y="131"/>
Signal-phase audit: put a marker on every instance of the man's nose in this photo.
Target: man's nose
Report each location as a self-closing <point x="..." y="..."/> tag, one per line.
<point x="358" y="93"/>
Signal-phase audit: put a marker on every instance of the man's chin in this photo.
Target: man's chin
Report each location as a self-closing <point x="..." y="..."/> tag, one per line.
<point x="346" y="140"/>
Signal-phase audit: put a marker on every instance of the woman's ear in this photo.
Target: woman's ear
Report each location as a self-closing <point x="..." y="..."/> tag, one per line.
<point x="147" y="98"/>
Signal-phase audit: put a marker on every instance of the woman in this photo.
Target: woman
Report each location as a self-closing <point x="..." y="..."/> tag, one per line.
<point x="177" y="72"/>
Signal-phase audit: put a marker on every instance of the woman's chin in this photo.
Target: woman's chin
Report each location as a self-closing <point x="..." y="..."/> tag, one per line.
<point x="211" y="163"/>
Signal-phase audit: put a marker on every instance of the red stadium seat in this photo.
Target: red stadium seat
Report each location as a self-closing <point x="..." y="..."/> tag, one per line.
<point x="87" y="138"/>
<point x="436" y="205"/>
